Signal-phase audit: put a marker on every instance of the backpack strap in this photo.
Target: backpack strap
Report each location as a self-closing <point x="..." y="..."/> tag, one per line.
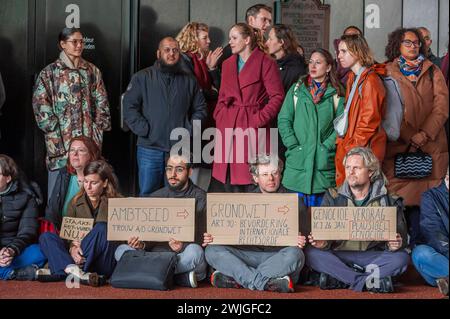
<point x="333" y="192"/>
<point x="336" y="99"/>
<point x="297" y="86"/>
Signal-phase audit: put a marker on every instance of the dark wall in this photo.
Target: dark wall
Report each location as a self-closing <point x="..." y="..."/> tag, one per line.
<point x="28" y="42"/>
<point x="16" y="60"/>
<point x="126" y="34"/>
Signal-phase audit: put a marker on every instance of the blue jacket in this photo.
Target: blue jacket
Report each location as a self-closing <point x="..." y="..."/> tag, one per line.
<point x="434" y="218"/>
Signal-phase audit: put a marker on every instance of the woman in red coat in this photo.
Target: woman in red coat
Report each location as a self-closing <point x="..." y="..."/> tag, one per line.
<point x="250" y="98"/>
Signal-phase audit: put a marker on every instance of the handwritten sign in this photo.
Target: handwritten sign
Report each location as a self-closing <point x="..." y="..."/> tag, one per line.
<point x="310" y="22"/>
<point x="75" y="228"/>
<point x="354" y="223"/>
<point x="151" y="219"/>
<point x="253" y="219"/>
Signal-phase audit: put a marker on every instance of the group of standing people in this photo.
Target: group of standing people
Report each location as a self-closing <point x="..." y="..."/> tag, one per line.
<point x="323" y="109"/>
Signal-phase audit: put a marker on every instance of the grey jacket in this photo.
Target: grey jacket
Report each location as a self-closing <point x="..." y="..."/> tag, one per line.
<point x="378" y="196"/>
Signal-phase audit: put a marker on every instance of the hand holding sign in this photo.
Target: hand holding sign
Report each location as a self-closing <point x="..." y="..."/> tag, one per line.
<point x="319" y="244"/>
<point x="175" y="245"/>
<point x="135" y="243"/>
<point x="207" y="239"/>
<point x="396" y="244"/>
<point x="301" y="241"/>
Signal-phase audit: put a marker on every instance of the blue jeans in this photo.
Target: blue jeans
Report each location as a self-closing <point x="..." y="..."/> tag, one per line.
<point x="31" y="255"/>
<point x="98" y="251"/>
<point x="335" y="264"/>
<point x="151" y="164"/>
<point x="253" y="269"/>
<point x="430" y="264"/>
<point x="192" y="258"/>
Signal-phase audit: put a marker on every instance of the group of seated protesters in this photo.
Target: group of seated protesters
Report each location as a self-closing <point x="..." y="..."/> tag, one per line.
<point x="84" y="187"/>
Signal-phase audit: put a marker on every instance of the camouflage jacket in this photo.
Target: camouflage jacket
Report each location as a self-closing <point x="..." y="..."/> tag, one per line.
<point x="69" y="102"/>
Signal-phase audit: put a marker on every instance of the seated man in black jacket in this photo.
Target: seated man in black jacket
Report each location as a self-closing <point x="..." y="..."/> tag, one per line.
<point x="191" y="264"/>
<point x="20" y="257"/>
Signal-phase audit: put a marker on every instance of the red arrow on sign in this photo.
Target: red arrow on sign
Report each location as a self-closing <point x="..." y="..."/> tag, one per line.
<point x="184" y="214"/>
<point x="283" y="209"/>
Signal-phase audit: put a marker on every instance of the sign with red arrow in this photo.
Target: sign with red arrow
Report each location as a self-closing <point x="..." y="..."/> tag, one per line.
<point x="151" y="219"/>
<point x="253" y="219"/>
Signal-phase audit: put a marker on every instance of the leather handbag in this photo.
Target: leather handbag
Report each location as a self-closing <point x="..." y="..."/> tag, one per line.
<point x="138" y="269"/>
<point x="413" y="165"/>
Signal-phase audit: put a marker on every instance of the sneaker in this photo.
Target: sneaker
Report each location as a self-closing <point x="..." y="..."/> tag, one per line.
<point x="187" y="279"/>
<point x="43" y="272"/>
<point x="386" y="286"/>
<point x="86" y="278"/>
<point x="327" y="282"/>
<point x="283" y="284"/>
<point x="220" y="280"/>
<point x="312" y="279"/>
<point x="26" y="273"/>
<point x="442" y="284"/>
<point x="46" y="277"/>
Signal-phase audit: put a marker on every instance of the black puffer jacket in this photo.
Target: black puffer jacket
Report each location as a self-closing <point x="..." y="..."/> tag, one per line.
<point x="292" y="67"/>
<point x="18" y="216"/>
<point x="53" y="211"/>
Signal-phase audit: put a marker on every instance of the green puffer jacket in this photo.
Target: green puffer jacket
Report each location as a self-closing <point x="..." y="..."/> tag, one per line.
<point x="307" y="132"/>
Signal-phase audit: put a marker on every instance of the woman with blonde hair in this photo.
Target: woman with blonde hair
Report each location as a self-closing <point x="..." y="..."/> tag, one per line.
<point x="91" y="259"/>
<point x="194" y="44"/>
<point x="360" y="124"/>
<point x="250" y="98"/>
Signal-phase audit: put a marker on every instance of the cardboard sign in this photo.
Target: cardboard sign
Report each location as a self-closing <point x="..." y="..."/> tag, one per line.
<point x="75" y="228"/>
<point x="354" y="223"/>
<point x="253" y="219"/>
<point x="151" y="219"/>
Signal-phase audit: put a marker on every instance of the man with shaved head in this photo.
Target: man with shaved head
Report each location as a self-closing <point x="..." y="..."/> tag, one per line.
<point x="159" y="99"/>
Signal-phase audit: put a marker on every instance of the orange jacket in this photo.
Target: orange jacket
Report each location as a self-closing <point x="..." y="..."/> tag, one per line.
<point x="364" y="118"/>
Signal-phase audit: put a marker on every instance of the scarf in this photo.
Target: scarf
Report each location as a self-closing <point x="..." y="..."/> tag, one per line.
<point x="316" y="89"/>
<point x="411" y="69"/>
<point x="201" y="71"/>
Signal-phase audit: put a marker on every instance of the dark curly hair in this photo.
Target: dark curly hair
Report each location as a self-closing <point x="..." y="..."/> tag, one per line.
<point x="395" y="39"/>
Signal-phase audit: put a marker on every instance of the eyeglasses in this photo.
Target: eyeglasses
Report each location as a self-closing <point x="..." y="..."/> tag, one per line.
<point x="267" y="175"/>
<point x="76" y="42"/>
<point x="178" y="169"/>
<point x="81" y="151"/>
<point x="408" y="43"/>
<point x="171" y="50"/>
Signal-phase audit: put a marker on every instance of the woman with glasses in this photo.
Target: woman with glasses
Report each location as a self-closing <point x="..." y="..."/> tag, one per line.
<point x="91" y="259"/>
<point x="425" y="97"/>
<point x="306" y="128"/>
<point x="82" y="150"/>
<point x="69" y="100"/>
